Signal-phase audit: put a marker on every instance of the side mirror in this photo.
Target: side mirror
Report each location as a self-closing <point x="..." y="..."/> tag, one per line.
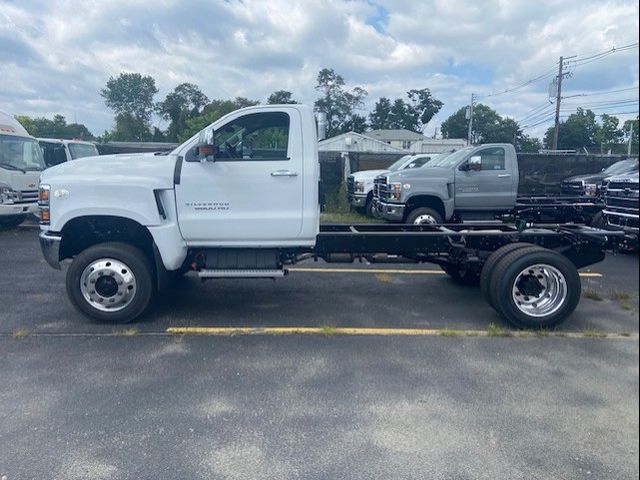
<point x="475" y="163"/>
<point x="205" y="148"/>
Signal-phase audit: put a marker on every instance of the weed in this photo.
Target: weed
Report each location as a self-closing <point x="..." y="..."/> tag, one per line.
<point x="449" y="333"/>
<point x="20" y="333"/>
<point x="617" y="295"/>
<point x="494" y="330"/>
<point x="384" y="278"/>
<point x="594" y="334"/>
<point x="592" y="295"/>
<point x="327" y="331"/>
<point x="626" y="306"/>
<point x="127" y="332"/>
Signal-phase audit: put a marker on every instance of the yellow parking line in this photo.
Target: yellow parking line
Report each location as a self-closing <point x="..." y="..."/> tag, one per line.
<point x="403" y="271"/>
<point x="414" y="332"/>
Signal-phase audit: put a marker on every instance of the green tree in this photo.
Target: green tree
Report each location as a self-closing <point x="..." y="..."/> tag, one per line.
<point x="528" y="144"/>
<point x="380" y="117"/>
<point x="281" y="97"/>
<point x="401" y="116"/>
<point x="57" y="128"/>
<point x="337" y="102"/>
<point x="422" y="106"/>
<point x="488" y="126"/>
<point x="130" y="96"/>
<point x="607" y="133"/>
<point x="184" y="102"/>
<point x="576" y="132"/>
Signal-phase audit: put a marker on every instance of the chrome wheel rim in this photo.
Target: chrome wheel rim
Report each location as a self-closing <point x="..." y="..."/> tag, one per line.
<point x="539" y="290"/>
<point x="425" y="219"/>
<point x="108" y="285"/>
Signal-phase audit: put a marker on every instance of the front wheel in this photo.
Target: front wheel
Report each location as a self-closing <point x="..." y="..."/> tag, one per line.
<point x="111" y="282"/>
<point x="424" y="216"/>
<point x="535" y="288"/>
<point x="11" y="221"/>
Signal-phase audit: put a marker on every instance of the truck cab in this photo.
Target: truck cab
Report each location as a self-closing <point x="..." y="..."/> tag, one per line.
<point x="474" y="182"/>
<point x="21" y="162"/>
<point x="360" y="184"/>
<point x="57" y="151"/>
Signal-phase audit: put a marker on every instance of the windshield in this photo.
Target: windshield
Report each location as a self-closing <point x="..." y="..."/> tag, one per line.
<point x="449" y="161"/>
<point x="622" y="167"/>
<point x="80" y="150"/>
<point x="20" y="153"/>
<point x="398" y="163"/>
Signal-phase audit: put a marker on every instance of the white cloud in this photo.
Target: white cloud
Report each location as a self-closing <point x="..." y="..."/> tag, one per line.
<point x="56" y="55"/>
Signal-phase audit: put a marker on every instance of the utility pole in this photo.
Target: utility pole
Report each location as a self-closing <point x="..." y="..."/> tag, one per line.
<point x="470" y="117"/>
<point x="558" y="97"/>
<point x="630" y="139"/>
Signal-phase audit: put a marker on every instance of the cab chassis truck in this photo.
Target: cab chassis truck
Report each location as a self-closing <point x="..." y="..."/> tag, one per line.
<point x="240" y="200"/>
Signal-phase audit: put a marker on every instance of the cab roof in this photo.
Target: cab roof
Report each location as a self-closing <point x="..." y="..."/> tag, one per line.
<point x="10" y="126"/>
<point x="63" y="141"/>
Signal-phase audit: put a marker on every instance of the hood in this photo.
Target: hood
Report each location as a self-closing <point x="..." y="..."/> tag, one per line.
<point x="439" y="173"/>
<point x="626" y="178"/>
<point x="587" y="178"/>
<point x="364" y="175"/>
<point x="148" y="168"/>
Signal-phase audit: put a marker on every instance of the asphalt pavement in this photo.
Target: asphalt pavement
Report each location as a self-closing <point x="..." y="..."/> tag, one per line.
<point x="81" y="400"/>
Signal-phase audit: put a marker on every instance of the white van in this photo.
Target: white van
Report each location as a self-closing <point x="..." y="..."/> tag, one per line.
<point x="58" y="151"/>
<point x="21" y="162"/>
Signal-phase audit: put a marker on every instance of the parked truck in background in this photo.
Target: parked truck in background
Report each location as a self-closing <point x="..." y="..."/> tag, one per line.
<point x="20" y="165"/>
<point x="474" y="183"/>
<point x="591" y="184"/>
<point x="360" y="184"/>
<point x="621" y="206"/>
<point x="57" y="151"/>
<point x="240" y="200"/>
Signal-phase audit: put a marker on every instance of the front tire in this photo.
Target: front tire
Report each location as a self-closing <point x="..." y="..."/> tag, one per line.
<point x="111" y="282"/>
<point x="11" y="221"/>
<point x="535" y="288"/>
<point x="424" y="216"/>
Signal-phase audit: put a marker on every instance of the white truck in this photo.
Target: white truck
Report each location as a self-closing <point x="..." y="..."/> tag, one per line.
<point x="360" y="184"/>
<point x="57" y="151"/>
<point x="240" y="199"/>
<point x="20" y="165"/>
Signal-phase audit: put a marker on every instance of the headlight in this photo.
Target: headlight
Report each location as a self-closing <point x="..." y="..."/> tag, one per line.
<point x="359" y="186"/>
<point x="590" y="189"/>
<point x="8" y="196"/>
<point x="43" y="203"/>
<point x="395" y="191"/>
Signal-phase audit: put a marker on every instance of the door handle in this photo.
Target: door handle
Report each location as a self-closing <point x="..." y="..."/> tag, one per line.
<point x="504" y="175"/>
<point x="284" y="173"/>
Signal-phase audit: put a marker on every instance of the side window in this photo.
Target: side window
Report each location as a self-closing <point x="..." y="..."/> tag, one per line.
<point x="492" y="159"/>
<point x="254" y="137"/>
<point x="54" y="153"/>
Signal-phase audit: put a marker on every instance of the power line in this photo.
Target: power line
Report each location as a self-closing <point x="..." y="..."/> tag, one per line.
<point x="543" y="76"/>
<point x="598" y="94"/>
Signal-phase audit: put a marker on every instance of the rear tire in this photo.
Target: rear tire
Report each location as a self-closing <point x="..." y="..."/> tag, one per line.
<point x="492" y="261"/>
<point x="424" y="216"/>
<point x="111" y="282"/>
<point x="11" y="221"/>
<point x="535" y="288"/>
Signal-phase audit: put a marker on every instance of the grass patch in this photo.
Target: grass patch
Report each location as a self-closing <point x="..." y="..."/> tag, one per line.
<point x="625" y="334"/>
<point x="20" y="333"/>
<point x="591" y="294"/>
<point x="384" y="277"/>
<point x="617" y="295"/>
<point x="594" y="334"/>
<point x="626" y="306"/>
<point x="327" y="331"/>
<point x="346" y="217"/>
<point x="450" y="333"/>
<point x="494" y="330"/>
<point x="127" y="332"/>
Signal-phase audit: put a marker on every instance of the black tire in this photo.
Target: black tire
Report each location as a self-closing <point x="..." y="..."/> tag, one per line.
<point x="414" y="214"/>
<point x="504" y="279"/>
<point x="462" y="276"/>
<point x="492" y="261"/>
<point x="139" y="265"/>
<point x="598" y="221"/>
<point x="368" y="208"/>
<point x="11" y="221"/>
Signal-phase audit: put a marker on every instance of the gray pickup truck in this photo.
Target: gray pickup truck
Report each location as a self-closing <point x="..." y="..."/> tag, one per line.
<point x="474" y="183"/>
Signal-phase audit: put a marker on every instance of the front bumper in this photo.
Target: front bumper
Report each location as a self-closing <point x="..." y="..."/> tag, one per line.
<point x="357" y="200"/>
<point x="18" y="208"/>
<point x="393" y="212"/>
<point x="626" y="222"/>
<point x="50" y="246"/>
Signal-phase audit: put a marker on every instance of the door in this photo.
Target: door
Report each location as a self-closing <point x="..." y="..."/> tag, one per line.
<point x="484" y="181"/>
<point x="252" y="192"/>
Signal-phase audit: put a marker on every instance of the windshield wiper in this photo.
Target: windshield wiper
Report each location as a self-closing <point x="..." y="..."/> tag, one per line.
<point x="12" y="167"/>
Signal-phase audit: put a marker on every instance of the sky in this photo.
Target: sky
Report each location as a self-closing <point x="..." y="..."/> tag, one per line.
<point x="56" y="55"/>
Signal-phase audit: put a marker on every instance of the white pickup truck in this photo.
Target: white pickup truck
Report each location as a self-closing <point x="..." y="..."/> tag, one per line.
<point x="240" y="199"/>
<point x="360" y="184"/>
<point x="20" y="165"/>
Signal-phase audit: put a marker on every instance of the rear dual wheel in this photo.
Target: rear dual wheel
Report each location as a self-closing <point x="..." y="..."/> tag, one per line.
<point x="532" y="287"/>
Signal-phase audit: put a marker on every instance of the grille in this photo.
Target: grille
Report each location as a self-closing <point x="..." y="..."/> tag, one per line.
<point x="577" y="187"/>
<point x="380" y="188"/>
<point x="351" y="185"/>
<point x="28" y="196"/>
